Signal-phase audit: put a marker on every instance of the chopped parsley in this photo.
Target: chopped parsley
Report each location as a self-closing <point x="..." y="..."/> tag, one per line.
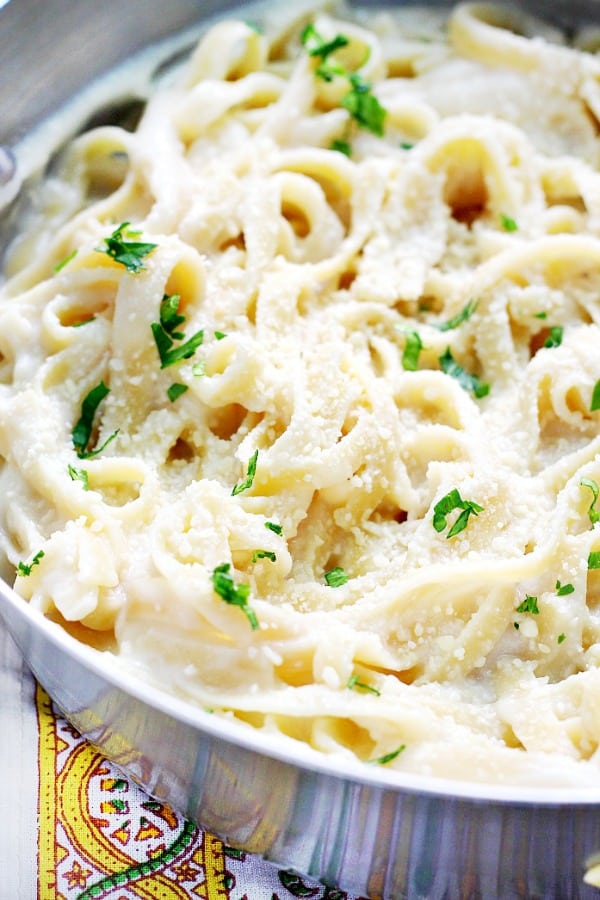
<point x="412" y="348"/>
<point x="364" y="107"/>
<point x="176" y="390"/>
<point x="263" y="554"/>
<point x="563" y="589"/>
<point x="335" y="577"/>
<point x="593" y="513"/>
<point x="341" y="146"/>
<point x="359" y="101"/>
<point x="165" y="334"/>
<point x="232" y="593"/>
<point x="462" y="316"/>
<point x="126" y="252"/>
<point x="465" y="379"/>
<point x="219" y="335"/>
<point x="274" y="527"/>
<point x="26" y="568"/>
<point x="389" y="757"/>
<point x="406" y="145"/>
<point x="529" y="605"/>
<point x="555" y="337"/>
<point x="59" y="266"/>
<point x="562" y="637"/>
<point x="540" y="315"/>
<point x="451" y="501"/>
<point x="593" y="561"/>
<point x="595" y="401"/>
<point x="170" y="318"/>
<point x="355" y="684"/>
<point x="316" y="46"/>
<point x="508" y="224"/>
<point x="82" y="431"/>
<point x="79" y="475"/>
<point x="249" y="480"/>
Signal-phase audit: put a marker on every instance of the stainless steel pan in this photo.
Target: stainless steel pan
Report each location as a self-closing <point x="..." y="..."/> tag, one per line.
<point x="364" y="829"/>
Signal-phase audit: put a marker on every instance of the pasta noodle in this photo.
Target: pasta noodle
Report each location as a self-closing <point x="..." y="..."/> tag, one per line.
<point x="300" y="390"/>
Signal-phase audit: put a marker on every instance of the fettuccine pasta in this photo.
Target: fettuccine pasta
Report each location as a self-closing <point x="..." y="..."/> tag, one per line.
<point x="300" y="390"/>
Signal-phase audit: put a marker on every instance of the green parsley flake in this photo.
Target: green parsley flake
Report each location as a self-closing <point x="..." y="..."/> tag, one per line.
<point x="232" y="593"/>
<point x="406" y="145"/>
<point x="364" y="107"/>
<point x="335" y="577"/>
<point x="219" y="335"/>
<point x="593" y="561"/>
<point x="165" y="334"/>
<point x="263" y="554"/>
<point x="451" y="501"/>
<point x="341" y="146"/>
<point x="467" y="381"/>
<point x="249" y="480"/>
<point x="541" y="315"/>
<point x="562" y="637"/>
<point x="274" y="527"/>
<point x="595" y="401"/>
<point x="82" y="431"/>
<point x="412" y="348"/>
<point x="79" y="475"/>
<point x="60" y="266"/>
<point x="128" y="253"/>
<point x="508" y="224"/>
<point x="463" y="316"/>
<point x="355" y="684"/>
<point x="170" y="318"/>
<point x="388" y="757"/>
<point x="529" y="605"/>
<point x="24" y="569"/>
<point x="555" y="337"/>
<point x="176" y="390"/>
<point x="316" y="46"/>
<point x="593" y="513"/>
<point x="563" y="589"/>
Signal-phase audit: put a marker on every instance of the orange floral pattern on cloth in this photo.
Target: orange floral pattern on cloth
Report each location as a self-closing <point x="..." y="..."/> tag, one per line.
<point x="102" y="838"/>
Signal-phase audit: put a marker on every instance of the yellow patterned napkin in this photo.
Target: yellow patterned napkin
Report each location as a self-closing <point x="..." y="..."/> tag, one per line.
<point x="73" y="828"/>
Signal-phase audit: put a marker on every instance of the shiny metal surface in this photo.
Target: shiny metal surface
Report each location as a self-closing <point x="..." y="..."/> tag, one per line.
<point x="365" y="830"/>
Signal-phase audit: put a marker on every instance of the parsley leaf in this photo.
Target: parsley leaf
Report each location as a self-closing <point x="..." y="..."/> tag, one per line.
<point x="232" y="593"/>
<point x="563" y="589"/>
<point x="354" y="683"/>
<point x="508" y="224"/>
<point x="176" y="390"/>
<point x="593" y="514"/>
<point x="79" y="475"/>
<point x="274" y="527"/>
<point x="263" y="554"/>
<point x="316" y="46"/>
<point x="170" y="354"/>
<point x="335" y="577"/>
<point x="412" y="349"/>
<point x="462" y="316"/>
<point x="595" y="401"/>
<point x="465" y="379"/>
<point x="25" y="568"/>
<point x="341" y="146"/>
<point x="388" y="757"/>
<point x="562" y="637"/>
<point x="593" y="561"/>
<point x="529" y="605"/>
<point x="555" y="337"/>
<point x="249" y="480"/>
<point x="448" y="503"/>
<point x="364" y="107"/>
<point x="59" y="266"/>
<point x="128" y="253"/>
<point x="82" y="431"/>
<point x="170" y="319"/>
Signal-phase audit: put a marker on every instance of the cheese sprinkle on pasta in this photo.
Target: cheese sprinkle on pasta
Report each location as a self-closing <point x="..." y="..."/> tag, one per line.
<point x="299" y="390"/>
